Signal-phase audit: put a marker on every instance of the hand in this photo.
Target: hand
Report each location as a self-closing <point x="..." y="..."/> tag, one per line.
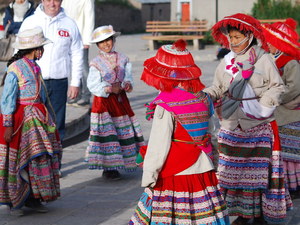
<point x="73" y="92"/>
<point x="128" y="87"/>
<point x="8" y="134"/>
<point x="116" y="88"/>
<point x="86" y="46"/>
<point x="108" y="89"/>
<point x="218" y="108"/>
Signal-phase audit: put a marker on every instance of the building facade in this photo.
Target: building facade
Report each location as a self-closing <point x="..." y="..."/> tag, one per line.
<point x="155" y="10"/>
<point x="210" y="10"/>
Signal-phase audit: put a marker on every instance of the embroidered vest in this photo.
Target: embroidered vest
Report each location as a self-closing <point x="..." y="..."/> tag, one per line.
<point x="28" y="81"/>
<point x="111" y="73"/>
<point x="192" y="112"/>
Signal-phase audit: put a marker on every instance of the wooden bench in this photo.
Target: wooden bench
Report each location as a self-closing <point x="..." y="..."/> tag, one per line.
<point x="174" y="30"/>
<point x="271" y="20"/>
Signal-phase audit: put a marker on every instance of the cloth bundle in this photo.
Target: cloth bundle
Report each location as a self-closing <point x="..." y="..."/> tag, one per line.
<point x="6" y="49"/>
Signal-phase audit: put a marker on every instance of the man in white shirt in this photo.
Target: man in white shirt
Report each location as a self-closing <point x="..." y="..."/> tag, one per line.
<point x="61" y="59"/>
<point x="83" y="12"/>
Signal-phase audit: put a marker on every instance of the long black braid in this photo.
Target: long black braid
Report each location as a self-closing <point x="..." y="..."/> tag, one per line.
<point x="19" y="55"/>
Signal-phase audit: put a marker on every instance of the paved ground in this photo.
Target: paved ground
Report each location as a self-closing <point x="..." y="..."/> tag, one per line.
<point x="88" y="199"/>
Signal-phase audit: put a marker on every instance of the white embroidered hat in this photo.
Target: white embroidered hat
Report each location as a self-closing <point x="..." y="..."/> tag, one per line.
<point x="102" y="33"/>
<point x="31" y="38"/>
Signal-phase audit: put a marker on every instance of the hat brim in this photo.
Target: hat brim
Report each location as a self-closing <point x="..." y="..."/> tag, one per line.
<point x="104" y="37"/>
<point x="153" y="67"/>
<point x="281" y="41"/>
<point x="243" y="23"/>
<point x="16" y="45"/>
<point x="161" y="84"/>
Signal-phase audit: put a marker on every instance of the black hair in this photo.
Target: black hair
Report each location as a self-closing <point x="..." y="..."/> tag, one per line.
<point x="233" y="28"/>
<point x="109" y="38"/>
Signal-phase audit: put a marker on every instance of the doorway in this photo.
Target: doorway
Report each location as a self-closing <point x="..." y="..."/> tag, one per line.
<point x="185" y="11"/>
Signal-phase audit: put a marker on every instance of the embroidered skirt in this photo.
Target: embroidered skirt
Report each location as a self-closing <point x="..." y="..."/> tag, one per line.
<point x="115" y="134"/>
<point x="29" y="163"/>
<point x="290" y="142"/>
<point x="184" y="199"/>
<point x="251" y="173"/>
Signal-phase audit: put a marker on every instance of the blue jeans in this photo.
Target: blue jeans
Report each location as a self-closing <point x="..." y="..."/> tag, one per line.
<point x="57" y="90"/>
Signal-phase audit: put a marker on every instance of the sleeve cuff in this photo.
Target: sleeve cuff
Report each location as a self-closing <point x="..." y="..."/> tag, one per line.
<point x="149" y="179"/>
<point x="7" y="120"/>
<point x="75" y="83"/>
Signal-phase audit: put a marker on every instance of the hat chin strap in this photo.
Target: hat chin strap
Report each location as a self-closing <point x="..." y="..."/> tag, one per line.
<point x="242" y="42"/>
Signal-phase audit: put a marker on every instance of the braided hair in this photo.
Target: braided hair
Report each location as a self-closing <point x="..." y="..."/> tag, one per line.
<point x="19" y="55"/>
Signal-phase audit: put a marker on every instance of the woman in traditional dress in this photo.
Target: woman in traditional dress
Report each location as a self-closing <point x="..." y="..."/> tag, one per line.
<point x="29" y="143"/>
<point x="284" y="47"/>
<point x="178" y="173"/>
<point x="246" y="89"/>
<point x="115" y="134"/>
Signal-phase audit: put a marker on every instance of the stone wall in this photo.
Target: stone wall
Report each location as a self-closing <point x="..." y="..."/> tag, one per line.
<point x="123" y="19"/>
<point x="159" y="11"/>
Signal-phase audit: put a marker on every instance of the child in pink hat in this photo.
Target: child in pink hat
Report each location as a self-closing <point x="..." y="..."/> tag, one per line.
<point x="180" y="183"/>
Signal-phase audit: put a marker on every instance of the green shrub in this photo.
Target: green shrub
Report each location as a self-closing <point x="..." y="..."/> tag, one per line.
<point x="276" y="9"/>
<point x="208" y="38"/>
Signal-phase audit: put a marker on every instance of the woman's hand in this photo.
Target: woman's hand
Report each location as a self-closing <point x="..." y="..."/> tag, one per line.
<point x="8" y="134"/>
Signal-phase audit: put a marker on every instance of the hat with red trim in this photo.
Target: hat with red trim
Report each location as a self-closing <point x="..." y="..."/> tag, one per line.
<point x="241" y="22"/>
<point x="283" y="36"/>
<point x="170" y="65"/>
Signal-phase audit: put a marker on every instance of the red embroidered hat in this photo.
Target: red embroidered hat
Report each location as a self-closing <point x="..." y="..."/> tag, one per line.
<point x="243" y="23"/>
<point x="283" y="36"/>
<point x="171" y="65"/>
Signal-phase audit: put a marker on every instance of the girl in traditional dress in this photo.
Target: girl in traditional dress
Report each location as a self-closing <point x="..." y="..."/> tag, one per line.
<point x="283" y="45"/>
<point x="247" y="88"/>
<point x="29" y="143"/>
<point x="178" y="173"/>
<point x="115" y="134"/>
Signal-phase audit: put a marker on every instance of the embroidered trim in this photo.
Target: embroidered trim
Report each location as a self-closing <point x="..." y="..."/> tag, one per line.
<point x="7" y="120"/>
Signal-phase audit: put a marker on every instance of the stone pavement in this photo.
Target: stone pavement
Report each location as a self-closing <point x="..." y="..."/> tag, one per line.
<point x="87" y="198"/>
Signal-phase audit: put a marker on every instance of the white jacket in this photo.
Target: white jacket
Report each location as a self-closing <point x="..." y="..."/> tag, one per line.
<point x="64" y="57"/>
<point x="83" y="12"/>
